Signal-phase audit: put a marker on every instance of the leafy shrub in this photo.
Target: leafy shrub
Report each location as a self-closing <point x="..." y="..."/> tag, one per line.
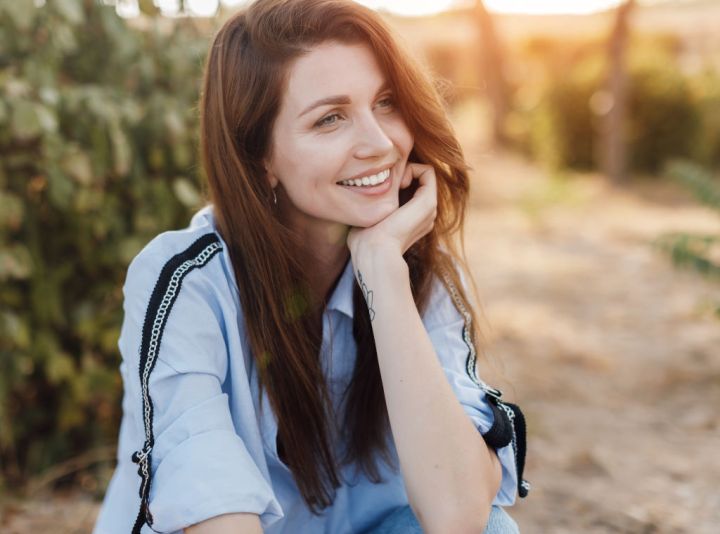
<point x="564" y="122"/>
<point x="562" y="126"/>
<point x="700" y="253"/>
<point x="706" y="88"/>
<point x="663" y="116"/>
<point x="97" y="155"/>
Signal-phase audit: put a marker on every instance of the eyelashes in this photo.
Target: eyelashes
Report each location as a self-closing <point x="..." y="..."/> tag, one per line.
<point x="326" y="121"/>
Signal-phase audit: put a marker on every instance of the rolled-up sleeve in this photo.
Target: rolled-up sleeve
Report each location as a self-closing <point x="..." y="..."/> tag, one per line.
<point x="200" y="467"/>
<point x="446" y="328"/>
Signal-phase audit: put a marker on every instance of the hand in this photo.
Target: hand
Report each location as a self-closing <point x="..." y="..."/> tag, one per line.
<point x="402" y="228"/>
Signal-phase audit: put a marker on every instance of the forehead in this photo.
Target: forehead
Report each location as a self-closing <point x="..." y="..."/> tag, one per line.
<point x="332" y="69"/>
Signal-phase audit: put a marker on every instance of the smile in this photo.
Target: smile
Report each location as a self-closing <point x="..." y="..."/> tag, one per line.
<point x="368" y="181"/>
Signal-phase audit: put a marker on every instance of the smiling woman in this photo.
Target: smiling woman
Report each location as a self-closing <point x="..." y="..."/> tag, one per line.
<point x="301" y="357"/>
<point x="351" y="137"/>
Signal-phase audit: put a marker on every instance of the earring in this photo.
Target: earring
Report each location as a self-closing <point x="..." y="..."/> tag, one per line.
<point x="274" y="197"/>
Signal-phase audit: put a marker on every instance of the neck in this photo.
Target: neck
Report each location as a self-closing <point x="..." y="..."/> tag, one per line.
<point x="325" y="258"/>
<point x="325" y="251"/>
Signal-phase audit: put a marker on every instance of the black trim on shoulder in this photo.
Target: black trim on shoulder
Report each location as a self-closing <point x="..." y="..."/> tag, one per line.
<point x="164" y="295"/>
<point x="508" y="420"/>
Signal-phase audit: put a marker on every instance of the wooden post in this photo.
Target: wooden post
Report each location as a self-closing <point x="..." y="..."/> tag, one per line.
<point x="493" y="73"/>
<point x="614" y="139"/>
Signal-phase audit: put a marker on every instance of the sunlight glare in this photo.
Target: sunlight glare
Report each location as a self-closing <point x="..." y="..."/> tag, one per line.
<point x="548" y="7"/>
<point x="410" y="7"/>
<point x="207" y="8"/>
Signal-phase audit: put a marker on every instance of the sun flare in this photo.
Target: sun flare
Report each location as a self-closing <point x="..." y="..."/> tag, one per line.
<point x="207" y="8"/>
<point x="547" y="7"/>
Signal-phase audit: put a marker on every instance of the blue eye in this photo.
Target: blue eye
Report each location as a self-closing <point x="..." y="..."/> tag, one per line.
<point x="329" y="120"/>
<point x="325" y="121"/>
<point x="389" y="100"/>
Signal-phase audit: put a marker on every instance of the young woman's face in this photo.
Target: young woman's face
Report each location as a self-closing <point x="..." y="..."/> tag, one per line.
<point x="338" y="122"/>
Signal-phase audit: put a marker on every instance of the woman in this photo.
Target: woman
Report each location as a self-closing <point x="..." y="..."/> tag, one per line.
<point x="321" y="280"/>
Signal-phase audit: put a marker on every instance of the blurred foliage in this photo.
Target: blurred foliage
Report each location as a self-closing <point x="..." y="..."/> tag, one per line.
<point x="456" y="74"/>
<point x="698" y="252"/>
<point x="670" y="115"/>
<point x="706" y="88"/>
<point x="97" y="155"/>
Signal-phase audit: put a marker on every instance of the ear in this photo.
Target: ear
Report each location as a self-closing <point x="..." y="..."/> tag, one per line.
<point x="271" y="177"/>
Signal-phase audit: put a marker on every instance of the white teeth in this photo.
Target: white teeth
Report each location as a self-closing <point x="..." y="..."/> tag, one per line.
<point x="369" y="180"/>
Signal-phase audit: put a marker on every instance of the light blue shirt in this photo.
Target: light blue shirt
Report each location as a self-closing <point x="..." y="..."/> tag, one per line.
<point x="214" y="451"/>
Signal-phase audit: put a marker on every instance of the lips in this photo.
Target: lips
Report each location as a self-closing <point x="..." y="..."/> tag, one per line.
<point x="371" y="190"/>
<point x="371" y="172"/>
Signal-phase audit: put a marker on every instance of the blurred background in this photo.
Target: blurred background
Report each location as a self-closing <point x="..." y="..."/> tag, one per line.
<point x="593" y="130"/>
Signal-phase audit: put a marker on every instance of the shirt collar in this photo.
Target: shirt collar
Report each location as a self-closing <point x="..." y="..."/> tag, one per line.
<point x="342" y="297"/>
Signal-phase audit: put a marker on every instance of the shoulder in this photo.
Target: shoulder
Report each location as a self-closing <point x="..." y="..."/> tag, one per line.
<point x="443" y="305"/>
<point x="175" y="291"/>
<point x="172" y="255"/>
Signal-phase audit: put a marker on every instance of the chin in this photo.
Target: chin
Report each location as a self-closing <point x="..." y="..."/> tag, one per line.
<point x="366" y="220"/>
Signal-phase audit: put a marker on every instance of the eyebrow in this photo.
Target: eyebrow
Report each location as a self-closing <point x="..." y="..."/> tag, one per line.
<point x="337" y="100"/>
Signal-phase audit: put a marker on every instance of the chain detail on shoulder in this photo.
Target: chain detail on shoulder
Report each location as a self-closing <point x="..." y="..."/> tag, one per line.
<point x="500" y="433"/>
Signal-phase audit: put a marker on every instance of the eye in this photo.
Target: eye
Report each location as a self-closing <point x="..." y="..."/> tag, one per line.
<point x="326" y="121"/>
<point x="388" y="102"/>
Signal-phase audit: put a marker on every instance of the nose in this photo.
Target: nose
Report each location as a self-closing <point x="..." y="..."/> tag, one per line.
<point x="372" y="140"/>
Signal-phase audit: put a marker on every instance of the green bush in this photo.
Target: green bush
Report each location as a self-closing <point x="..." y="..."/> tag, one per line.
<point x="97" y="155"/>
<point x="664" y="114"/>
<point x="699" y="252"/>
<point x="706" y="88"/>
<point x="562" y="132"/>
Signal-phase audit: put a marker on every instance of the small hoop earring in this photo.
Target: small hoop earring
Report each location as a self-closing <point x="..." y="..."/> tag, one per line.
<point x="274" y="197"/>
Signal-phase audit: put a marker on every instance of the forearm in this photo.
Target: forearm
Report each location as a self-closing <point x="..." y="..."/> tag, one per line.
<point x="449" y="473"/>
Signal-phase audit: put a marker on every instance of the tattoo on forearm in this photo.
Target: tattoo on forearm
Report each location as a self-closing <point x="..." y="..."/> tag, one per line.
<point x="368" y="294"/>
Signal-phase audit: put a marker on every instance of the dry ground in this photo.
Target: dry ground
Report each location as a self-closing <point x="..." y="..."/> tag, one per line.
<point x="613" y="354"/>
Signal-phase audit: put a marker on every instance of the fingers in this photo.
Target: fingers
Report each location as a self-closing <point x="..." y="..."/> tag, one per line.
<point x="420" y="211"/>
<point x="407" y="177"/>
<point x="427" y="192"/>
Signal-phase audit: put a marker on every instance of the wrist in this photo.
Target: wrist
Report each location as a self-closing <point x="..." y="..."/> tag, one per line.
<point x="380" y="261"/>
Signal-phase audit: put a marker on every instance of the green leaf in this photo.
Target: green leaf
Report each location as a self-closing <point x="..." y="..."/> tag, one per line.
<point x="61" y="189"/>
<point x="121" y="150"/>
<point x="15" y="329"/>
<point x="49" y="95"/>
<point x="174" y="124"/>
<point x="182" y="155"/>
<point x="71" y="10"/>
<point x="129" y="247"/>
<point x="185" y="192"/>
<point x="64" y="39"/>
<point x="77" y="164"/>
<point x="21" y="12"/>
<point x="15" y="262"/>
<point x="11" y="211"/>
<point x="87" y="200"/>
<point x="48" y="119"/>
<point x="25" y="120"/>
<point x="30" y="119"/>
<point x="59" y="367"/>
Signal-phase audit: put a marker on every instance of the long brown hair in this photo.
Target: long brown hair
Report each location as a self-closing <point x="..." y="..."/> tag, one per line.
<point x="244" y="80"/>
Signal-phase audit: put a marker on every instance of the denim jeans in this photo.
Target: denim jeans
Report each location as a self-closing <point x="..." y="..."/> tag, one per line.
<point x="403" y="521"/>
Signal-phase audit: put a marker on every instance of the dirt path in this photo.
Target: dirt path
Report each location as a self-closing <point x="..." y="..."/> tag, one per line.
<point x="613" y="354"/>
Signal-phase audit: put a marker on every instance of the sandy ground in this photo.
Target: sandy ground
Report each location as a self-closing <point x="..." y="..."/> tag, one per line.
<point x="613" y="354"/>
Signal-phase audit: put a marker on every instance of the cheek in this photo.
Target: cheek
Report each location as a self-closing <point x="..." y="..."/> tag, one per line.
<point x="403" y="138"/>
